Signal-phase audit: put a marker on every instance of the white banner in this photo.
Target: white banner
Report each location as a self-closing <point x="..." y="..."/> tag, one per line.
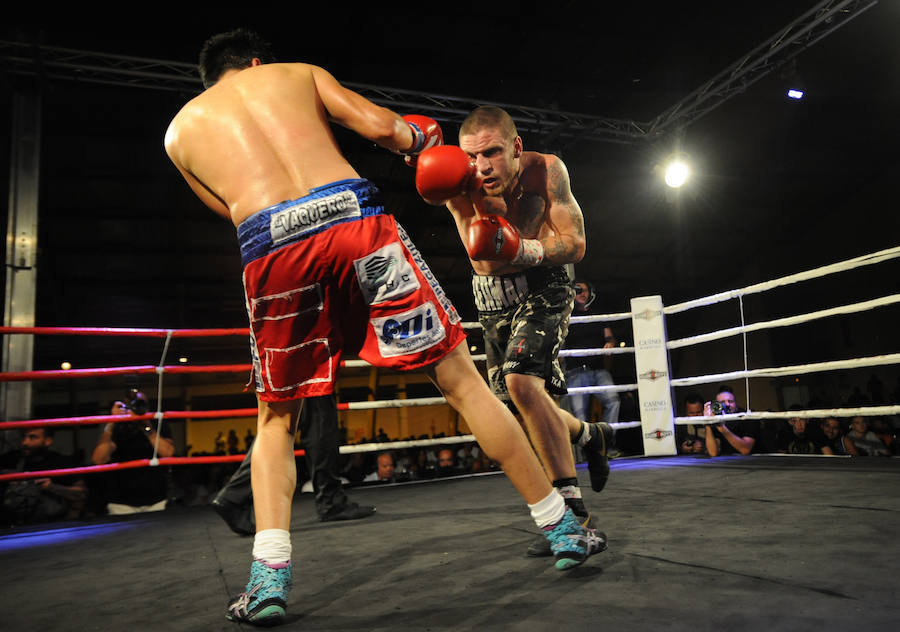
<point x="652" y="362"/>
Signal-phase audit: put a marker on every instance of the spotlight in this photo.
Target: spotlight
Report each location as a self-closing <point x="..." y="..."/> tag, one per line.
<point x="183" y="359"/>
<point x="795" y="94"/>
<point x="677" y="173"/>
<point x="65" y="366"/>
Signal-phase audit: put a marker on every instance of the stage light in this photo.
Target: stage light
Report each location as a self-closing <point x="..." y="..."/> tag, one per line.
<point x="183" y="359"/>
<point x="677" y="173"/>
<point x="65" y="366"/>
<point x="795" y="94"/>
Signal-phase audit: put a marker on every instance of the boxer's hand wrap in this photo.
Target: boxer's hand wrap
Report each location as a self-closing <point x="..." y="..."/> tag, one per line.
<point x="531" y="253"/>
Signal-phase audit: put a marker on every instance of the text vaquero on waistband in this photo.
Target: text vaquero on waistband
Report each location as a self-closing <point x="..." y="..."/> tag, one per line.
<point x="293" y="220"/>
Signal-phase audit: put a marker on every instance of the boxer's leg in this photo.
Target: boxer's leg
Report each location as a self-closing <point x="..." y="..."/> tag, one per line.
<point x="273" y="479"/>
<point x="502" y="438"/>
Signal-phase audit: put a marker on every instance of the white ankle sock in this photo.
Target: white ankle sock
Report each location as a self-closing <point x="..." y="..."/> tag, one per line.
<point x="272" y="546"/>
<point x="548" y="511"/>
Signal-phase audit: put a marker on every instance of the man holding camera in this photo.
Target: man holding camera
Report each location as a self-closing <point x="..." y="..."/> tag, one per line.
<point x="739" y="436"/>
<point x="141" y="489"/>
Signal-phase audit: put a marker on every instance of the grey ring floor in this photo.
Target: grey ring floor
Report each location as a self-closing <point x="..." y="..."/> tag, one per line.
<point x="732" y="543"/>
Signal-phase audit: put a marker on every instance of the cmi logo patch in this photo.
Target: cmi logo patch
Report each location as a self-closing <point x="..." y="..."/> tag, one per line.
<point x="411" y="331"/>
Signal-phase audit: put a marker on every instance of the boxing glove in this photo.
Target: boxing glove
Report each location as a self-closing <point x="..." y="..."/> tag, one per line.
<point x="443" y="173"/>
<point x="426" y="134"/>
<point x="493" y="237"/>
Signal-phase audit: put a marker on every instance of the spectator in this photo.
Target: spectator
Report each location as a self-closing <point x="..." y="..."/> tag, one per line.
<point x="864" y="440"/>
<point x="384" y="473"/>
<point x="355" y="468"/>
<point x="466" y="456"/>
<point x="836" y="440"/>
<point x="729" y="437"/>
<point x="419" y="467"/>
<point x="134" y="490"/>
<point x="691" y="439"/>
<point x="232" y="442"/>
<point x="799" y="441"/>
<point x="594" y="370"/>
<point x="446" y="463"/>
<point x="39" y="499"/>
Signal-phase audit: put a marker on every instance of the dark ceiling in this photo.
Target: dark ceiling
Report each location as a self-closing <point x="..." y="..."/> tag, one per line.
<point x="780" y="186"/>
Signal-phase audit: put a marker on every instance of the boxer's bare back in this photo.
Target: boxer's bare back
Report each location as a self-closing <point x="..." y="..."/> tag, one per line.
<point x="278" y="114"/>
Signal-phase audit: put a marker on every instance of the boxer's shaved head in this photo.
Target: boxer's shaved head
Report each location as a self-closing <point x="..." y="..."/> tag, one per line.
<point x="232" y="50"/>
<point x="489" y="116"/>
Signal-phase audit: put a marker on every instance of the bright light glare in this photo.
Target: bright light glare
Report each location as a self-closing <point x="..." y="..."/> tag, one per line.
<point x="677" y="174"/>
<point x="795" y="94"/>
<point x="65" y="366"/>
<point x="183" y="359"/>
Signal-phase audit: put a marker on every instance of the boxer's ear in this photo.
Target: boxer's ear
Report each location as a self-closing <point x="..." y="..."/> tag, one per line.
<point x="517" y="147"/>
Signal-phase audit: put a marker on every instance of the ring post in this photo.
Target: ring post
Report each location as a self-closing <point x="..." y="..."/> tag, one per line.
<point x="652" y="363"/>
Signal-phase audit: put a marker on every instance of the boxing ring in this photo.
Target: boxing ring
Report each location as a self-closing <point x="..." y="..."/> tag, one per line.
<point x="738" y="543"/>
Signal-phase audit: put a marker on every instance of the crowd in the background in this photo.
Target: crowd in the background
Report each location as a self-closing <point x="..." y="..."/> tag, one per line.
<point x="74" y="496"/>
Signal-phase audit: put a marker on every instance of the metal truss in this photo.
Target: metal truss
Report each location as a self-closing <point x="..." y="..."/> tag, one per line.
<point x="790" y="41"/>
<point x="553" y="126"/>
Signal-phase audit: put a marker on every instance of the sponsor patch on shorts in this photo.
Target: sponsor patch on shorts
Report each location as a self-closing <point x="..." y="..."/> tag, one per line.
<point x="385" y="274"/>
<point x="411" y="331"/>
<point x="311" y="215"/>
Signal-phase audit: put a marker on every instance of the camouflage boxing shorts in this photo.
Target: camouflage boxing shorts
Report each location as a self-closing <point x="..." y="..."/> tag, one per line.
<point x="525" y="318"/>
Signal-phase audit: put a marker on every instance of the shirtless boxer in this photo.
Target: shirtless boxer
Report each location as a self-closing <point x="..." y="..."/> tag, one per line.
<point x="326" y="271"/>
<point x="521" y="224"/>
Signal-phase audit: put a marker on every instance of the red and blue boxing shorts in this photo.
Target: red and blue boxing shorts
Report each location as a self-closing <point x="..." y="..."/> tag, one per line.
<point x="330" y="274"/>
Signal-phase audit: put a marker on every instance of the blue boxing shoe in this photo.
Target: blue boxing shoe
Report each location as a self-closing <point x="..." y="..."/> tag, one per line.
<point x="265" y="601"/>
<point x="572" y="543"/>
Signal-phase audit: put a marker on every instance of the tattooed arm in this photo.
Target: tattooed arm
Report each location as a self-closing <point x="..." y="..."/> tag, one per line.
<point x="563" y="236"/>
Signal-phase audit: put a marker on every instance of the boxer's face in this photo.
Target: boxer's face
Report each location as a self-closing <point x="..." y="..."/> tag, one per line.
<point x="496" y="158"/>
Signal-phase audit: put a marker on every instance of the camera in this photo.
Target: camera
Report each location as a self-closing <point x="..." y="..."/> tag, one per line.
<point x="137" y="402"/>
<point x="719" y="408"/>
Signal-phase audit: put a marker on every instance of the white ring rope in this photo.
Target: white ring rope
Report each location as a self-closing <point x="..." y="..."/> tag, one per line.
<point x="865" y="260"/>
<point x="584" y="353"/>
<point x="784" y="322"/>
<point x="892" y="358"/>
<point x="821" y="413"/>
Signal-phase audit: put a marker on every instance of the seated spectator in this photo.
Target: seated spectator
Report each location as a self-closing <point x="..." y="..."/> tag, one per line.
<point x="39" y="499"/>
<point x="134" y="490"/>
<point x="831" y="430"/>
<point x="447" y="465"/>
<point x="385" y="471"/>
<point x="799" y="441"/>
<point x="864" y="440"/>
<point x="691" y="439"/>
<point x="884" y="431"/>
<point x="355" y="469"/>
<point x="419" y="468"/>
<point x="729" y="437"/>
<point x="466" y="455"/>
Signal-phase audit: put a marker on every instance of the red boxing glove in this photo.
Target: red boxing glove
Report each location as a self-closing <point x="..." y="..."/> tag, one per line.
<point x="493" y="237"/>
<point x="443" y="173"/>
<point x="426" y="134"/>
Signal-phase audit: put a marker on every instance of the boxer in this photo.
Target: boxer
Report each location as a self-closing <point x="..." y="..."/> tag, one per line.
<point x="328" y="272"/>
<point x="520" y="224"/>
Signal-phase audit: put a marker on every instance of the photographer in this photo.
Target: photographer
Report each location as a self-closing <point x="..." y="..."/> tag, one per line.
<point x="739" y="436"/>
<point x="137" y="490"/>
<point x="39" y="499"/>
